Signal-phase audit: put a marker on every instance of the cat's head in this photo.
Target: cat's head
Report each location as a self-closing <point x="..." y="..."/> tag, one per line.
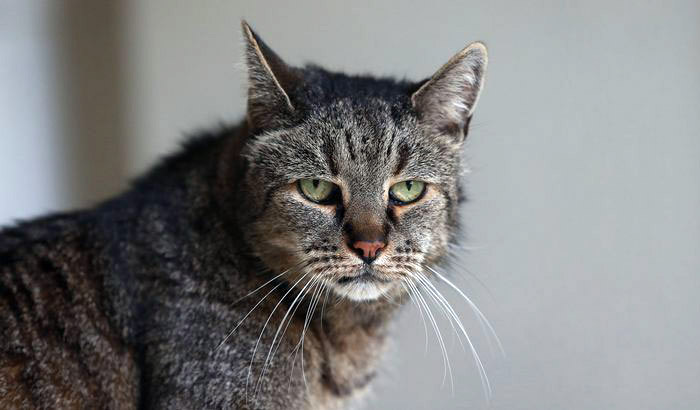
<point x="353" y="181"/>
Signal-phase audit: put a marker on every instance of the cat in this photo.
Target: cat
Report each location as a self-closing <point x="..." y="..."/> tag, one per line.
<point x="258" y="267"/>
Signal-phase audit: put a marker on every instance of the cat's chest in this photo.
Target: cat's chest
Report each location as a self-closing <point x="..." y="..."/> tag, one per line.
<point x="347" y="361"/>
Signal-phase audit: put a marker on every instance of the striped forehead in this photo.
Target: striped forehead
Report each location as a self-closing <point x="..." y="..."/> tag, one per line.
<point x="359" y="148"/>
<point x="389" y="151"/>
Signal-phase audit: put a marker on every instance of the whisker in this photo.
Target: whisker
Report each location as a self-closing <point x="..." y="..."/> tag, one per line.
<point x="466" y="248"/>
<point x="481" y="322"/>
<point x="295" y="350"/>
<point x="436" y="328"/>
<point x="246" y="316"/>
<point x="257" y="343"/>
<point x="448" y="315"/>
<point x="420" y="310"/>
<point x="323" y="306"/>
<point x="482" y="371"/>
<point x="289" y="321"/>
<point x="307" y="321"/>
<point x="454" y="257"/>
<point x="269" y="281"/>
<point x="473" y="306"/>
<point x="257" y="304"/>
<point x="302" y="292"/>
<point x="390" y="299"/>
<point x="444" y="306"/>
<point x="300" y="343"/>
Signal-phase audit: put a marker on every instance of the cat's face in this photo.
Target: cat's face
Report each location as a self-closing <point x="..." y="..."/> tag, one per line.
<point x="353" y="182"/>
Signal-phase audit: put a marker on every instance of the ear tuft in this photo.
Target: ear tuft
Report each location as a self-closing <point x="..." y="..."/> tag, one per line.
<point x="446" y="101"/>
<point x="270" y="80"/>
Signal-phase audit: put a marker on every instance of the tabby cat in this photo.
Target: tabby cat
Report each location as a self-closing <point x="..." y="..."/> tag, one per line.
<point x="259" y="267"/>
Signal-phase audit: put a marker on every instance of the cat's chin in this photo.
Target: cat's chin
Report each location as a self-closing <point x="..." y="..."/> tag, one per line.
<point x="362" y="291"/>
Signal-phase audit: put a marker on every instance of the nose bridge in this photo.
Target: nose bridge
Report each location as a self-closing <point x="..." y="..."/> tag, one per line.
<point x="365" y="217"/>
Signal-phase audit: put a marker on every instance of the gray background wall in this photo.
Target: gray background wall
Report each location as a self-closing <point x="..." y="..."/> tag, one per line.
<point x="584" y="224"/>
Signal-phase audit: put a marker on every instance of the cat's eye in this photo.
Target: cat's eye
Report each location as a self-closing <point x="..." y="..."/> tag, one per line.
<point x="407" y="191"/>
<point x="317" y="190"/>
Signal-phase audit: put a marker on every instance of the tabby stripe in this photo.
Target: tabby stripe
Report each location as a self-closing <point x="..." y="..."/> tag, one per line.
<point x="351" y="148"/>
<point x="8" y="295"/>
<point x="391" y="143"/>
<point x="327" y="149"/>
<point x="404" y="153"/>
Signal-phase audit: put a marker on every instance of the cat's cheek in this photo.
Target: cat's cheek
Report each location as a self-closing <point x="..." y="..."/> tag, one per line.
<point x="424" y="223"/>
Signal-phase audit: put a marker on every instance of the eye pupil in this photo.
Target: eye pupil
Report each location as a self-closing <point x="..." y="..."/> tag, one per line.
<point x="409" y="184"/>
<point x="315" y="183"/>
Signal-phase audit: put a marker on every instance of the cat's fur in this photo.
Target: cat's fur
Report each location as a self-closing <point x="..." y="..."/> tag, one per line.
<point x="125" y="305"/>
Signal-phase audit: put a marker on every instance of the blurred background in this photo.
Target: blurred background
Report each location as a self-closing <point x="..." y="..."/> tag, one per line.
<point x="584" y="222"/>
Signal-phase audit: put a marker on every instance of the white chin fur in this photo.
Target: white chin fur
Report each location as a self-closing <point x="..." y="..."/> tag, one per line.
<point x="360" y="292"/>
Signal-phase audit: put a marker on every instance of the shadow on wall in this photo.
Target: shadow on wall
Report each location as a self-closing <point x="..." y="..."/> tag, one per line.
<point x="89" y="77"/>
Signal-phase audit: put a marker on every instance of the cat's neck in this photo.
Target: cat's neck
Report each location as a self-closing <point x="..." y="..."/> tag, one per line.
<point x="344" y="316"/>
<point x="352" y="338"/>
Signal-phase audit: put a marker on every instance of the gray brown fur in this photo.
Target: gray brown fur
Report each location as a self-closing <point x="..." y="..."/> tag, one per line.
<point x="124" y="305"/>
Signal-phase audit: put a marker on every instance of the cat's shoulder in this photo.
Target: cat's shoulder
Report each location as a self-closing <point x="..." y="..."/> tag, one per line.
<point x="39" y="236"/>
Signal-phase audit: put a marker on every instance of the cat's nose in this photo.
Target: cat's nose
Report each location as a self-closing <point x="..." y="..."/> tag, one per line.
<point x="368" y="250"/>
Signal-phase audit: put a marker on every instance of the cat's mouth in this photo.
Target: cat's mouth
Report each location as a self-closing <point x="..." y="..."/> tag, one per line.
<point x="367" y="275"/>
<point x="368" y="284"/>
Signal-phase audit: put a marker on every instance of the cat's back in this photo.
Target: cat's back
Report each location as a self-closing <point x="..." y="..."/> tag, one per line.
<point x="58" y="345"/>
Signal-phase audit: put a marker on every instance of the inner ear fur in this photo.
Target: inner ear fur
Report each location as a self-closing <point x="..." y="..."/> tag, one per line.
<point x="447" y="100"/>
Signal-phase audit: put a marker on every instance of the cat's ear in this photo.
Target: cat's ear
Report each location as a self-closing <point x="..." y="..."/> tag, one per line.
<point x="270" y="81"/>
<point x="445" y="103"/>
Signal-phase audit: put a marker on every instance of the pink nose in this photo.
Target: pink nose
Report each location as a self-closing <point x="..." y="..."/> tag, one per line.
<point x="369" y="249"/>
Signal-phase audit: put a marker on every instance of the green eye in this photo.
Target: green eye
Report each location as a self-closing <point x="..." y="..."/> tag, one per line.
<point x="316" y="190"/>
<point x="407" y="191"/>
